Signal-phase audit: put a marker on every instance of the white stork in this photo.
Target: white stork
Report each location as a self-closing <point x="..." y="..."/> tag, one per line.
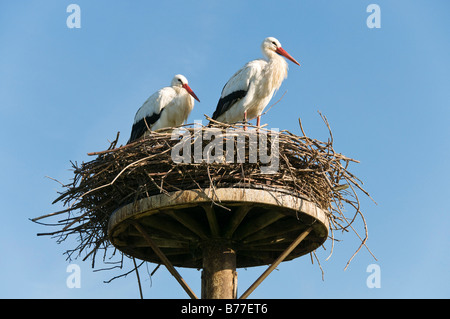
<point x="250" y="89"/>
<point x="168" y="107"/>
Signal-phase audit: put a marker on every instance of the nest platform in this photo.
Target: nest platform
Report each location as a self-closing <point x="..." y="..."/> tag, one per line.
<point x="257" y="224"/>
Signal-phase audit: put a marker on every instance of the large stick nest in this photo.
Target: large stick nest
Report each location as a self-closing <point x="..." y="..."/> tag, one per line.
<point x="307" y="168"/>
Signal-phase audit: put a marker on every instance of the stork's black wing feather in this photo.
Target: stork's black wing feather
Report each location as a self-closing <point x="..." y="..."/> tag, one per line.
<point x="226" y="102"/>
<point x="141" y="126"/>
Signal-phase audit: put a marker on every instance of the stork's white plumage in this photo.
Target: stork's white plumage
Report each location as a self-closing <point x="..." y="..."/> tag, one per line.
<point x="168" y="107"/>
<point x="250" y="89"/>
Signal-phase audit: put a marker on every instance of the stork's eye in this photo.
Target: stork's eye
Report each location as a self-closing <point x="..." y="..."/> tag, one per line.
<point x="179" y="80"/>
<point x="274" y="43"/>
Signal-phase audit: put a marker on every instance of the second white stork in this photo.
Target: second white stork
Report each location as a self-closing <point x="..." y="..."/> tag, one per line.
<point x="168" y="107"/>
<point x="250" y="89"/>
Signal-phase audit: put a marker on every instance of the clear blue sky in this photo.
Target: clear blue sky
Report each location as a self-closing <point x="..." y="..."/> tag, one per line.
<point x="66" y="92"/>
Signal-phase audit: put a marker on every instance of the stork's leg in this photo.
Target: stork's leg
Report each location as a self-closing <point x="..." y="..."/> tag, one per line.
<point x="258" y="121"/>
<point x="245" y="121"/>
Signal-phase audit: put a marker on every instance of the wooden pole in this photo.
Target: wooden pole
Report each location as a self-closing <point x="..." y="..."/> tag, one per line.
<point x="219" y="276"/>
<point x="275" y="264"/>
<point x="165" y="261"/>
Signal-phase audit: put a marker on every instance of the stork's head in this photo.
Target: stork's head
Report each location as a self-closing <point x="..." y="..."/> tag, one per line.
<point x="181" y="81"/>
<point x="271" y="45"/>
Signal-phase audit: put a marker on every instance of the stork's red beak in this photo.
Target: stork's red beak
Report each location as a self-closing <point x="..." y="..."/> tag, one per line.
<point x="187" y="88"/>
<point x="283" y="52"/>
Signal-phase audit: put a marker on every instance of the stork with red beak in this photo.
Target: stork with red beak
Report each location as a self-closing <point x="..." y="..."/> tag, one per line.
<point x="250" y="89"/>
<point x="168" y="107"/>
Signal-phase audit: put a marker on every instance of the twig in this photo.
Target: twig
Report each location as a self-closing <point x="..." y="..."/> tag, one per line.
<point x="138" y="279"/>
<point x="274" y="103"/>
